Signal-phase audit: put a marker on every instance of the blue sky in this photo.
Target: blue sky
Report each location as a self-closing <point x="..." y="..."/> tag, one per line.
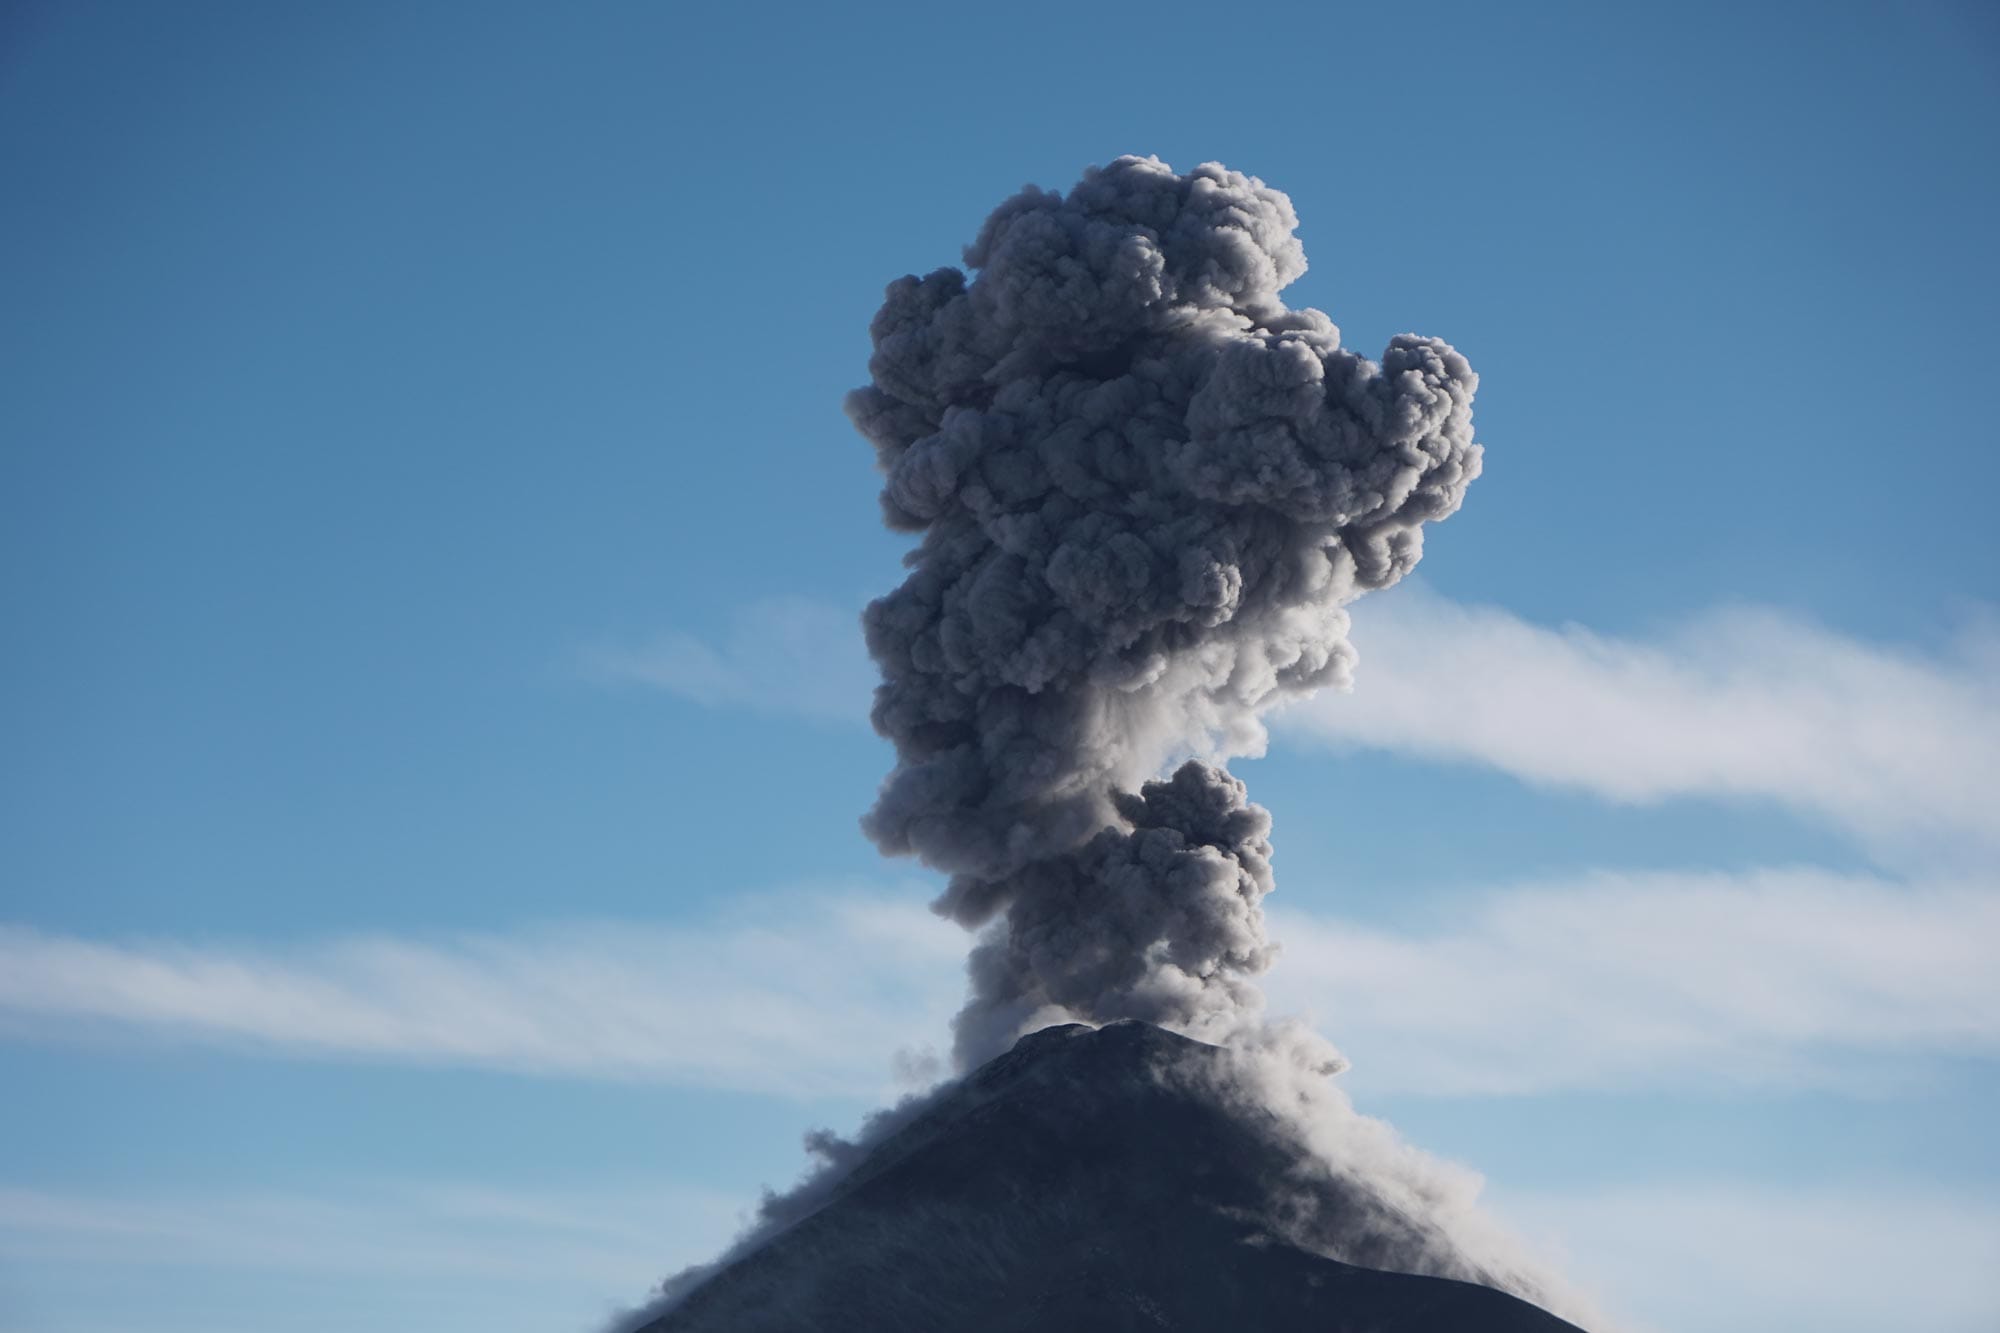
<point x="429" y="547"/>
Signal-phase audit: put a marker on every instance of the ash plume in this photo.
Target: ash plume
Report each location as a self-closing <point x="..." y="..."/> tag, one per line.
<point x="1146" y="489"/>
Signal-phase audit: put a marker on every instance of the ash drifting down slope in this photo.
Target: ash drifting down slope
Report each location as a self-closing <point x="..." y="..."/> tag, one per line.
<point x="1145" y="491"/>
<point x="1093" y="1181"/>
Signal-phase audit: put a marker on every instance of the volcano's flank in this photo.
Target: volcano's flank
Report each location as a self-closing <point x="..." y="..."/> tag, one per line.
<point x="1092" y="1180"/>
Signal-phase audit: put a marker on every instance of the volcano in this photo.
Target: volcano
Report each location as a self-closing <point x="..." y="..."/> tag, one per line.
<point x="1091" y="1180"/>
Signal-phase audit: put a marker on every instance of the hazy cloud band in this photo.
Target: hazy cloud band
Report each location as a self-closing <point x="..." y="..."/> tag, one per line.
<point x="1534" y="988"/>
<point x="1899" y="747"/>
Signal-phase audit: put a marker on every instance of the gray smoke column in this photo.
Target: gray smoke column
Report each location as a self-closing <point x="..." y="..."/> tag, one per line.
<point x="1146" y="490"/>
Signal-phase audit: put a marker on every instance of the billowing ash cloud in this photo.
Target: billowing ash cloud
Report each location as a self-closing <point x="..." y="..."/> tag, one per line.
<point x="1146" y="489"/>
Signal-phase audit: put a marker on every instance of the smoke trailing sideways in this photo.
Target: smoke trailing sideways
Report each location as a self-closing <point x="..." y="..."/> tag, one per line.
<point x="1146" y="491"/>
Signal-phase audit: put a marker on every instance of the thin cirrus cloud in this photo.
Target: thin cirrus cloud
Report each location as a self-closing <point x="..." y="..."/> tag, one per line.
<point x="767" y="1000"/>
<point x="328" y="1256"/>
<point x="1617" y="982"/>
<point x="786" y="655"/>
<point x="1529" y="989"/>
<point x="1738" y="1257"/>
<point x="395" y="1227"/>
<point x="1896" y="747"/>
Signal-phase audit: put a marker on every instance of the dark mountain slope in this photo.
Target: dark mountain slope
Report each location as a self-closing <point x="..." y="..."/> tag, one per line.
<point x="1089" y="1181"/>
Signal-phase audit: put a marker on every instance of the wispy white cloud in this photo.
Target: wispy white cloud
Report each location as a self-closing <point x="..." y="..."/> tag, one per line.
<point x="431" y="1228"/>
<point x="1608" y="982"/>
<point x="785" y="655"/>
<point x="1628" y="981"/>
<point x="1736" y="1258"/>
<point x="1899" y="747"/>
<point x="335" y="1257"/>
<point x="795" y="994"/>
